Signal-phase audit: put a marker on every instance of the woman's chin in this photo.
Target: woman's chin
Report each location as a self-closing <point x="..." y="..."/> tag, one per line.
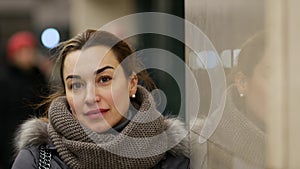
<point x="100" y="128"/>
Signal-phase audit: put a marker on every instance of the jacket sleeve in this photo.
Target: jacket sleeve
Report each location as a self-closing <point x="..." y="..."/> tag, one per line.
<point x="27" y="158"/>
<point x="172" y="162"/>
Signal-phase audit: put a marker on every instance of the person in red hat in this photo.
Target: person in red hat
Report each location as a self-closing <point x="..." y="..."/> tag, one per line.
<point x="21" y="50"/>
<point x="24" y="82"/>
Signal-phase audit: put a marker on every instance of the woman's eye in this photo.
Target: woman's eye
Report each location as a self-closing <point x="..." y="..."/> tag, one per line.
<point x="104" y="79"/>
<point x="76" y="86"/>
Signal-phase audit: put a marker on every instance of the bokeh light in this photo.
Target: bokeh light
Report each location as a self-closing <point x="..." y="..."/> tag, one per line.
<point x="50" y="37"/>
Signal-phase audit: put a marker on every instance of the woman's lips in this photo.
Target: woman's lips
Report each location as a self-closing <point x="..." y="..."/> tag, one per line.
<point x="94" y="114"/>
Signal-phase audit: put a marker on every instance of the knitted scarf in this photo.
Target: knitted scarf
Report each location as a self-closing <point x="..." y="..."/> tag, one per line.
<point x="141" y="144"/>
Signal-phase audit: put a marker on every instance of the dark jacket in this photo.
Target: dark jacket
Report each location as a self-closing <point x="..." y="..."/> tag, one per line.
<point x="20" y="91"/>
<point x="33" y="134"/>
<point x="5" y="112"/>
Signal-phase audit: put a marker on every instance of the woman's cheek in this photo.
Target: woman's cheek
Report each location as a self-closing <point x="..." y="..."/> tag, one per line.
<point x="71" y="104"/>
<point x="120" y="100"/>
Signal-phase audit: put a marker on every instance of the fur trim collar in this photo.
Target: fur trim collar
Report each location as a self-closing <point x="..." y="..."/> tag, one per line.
<point x="33" y="132"/>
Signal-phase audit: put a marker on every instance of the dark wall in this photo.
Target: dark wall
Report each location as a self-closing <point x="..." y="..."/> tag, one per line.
<point x="164" y="80"/>
<point x="11" y="23"/>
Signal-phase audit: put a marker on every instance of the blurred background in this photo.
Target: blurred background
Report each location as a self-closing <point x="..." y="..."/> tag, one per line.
<point x="228" y="24"/>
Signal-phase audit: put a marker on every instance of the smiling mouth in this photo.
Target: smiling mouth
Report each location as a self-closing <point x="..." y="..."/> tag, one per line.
<point x="96" y="113"/>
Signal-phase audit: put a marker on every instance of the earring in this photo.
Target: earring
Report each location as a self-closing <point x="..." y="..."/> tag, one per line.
<point x="133" y="95"/>
<point x="241" y="95"/>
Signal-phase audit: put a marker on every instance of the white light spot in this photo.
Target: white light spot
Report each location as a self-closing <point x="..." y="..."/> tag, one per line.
<point x="50" y="37"/>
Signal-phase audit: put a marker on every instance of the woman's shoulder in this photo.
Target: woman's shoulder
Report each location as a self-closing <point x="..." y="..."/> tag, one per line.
<point x="173" y="161"/>
<point x="178" y="136"/>
<point x="28" y="138"/>
<point x="33" y="132"/>
<point x="178" y="155"/>
<point x="30" y="157"/>
<point x="27" y="158"/>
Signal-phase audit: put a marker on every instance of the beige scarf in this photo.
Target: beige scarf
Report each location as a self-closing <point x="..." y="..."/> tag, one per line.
<point x="141" y="144"/>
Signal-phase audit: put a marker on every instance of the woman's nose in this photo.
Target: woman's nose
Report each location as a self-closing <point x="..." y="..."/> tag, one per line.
<point x="91" y="96"/>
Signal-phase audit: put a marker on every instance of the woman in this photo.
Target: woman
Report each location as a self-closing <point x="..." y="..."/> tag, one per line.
<point x="101" y="118"/>
<point x="23" y="80"/>
<point x="246" y="105"/>
<point x="249" y="89"/>
<point x="238" y="140"/>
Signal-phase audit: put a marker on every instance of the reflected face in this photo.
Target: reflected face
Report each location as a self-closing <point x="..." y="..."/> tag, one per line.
<point x="257" y="91"/>
<point x="97" y="89"/>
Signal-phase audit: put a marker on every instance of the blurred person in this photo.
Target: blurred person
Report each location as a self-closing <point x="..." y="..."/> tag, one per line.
<point x="23" y="83"/>
<point x="238" y="140"/>
<point x="101" y="117"/>
<point x="4" y="109"/>
<point x="27" y="81"/>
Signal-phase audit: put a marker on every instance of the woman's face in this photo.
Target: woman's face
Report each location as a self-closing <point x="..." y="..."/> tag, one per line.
<point x="97" y="89"/>
<point x="257" y="89"/>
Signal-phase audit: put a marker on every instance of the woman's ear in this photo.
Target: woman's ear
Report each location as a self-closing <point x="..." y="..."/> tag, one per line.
<point x="241" y="83"/>
<point x="133" y="84"/>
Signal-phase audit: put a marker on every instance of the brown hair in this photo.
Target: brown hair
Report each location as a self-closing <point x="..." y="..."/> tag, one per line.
<point x="90" y="38"/>
<point x="252" y="52"/>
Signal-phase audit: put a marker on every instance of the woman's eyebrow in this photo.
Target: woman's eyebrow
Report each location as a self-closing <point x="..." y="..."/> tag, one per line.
<point x="102" y="69"/>
<point x="96" y="72"/>
<point x="73" y="76"/>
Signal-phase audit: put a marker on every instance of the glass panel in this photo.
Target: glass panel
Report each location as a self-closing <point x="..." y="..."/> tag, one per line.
<point x="232" y="78"/>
